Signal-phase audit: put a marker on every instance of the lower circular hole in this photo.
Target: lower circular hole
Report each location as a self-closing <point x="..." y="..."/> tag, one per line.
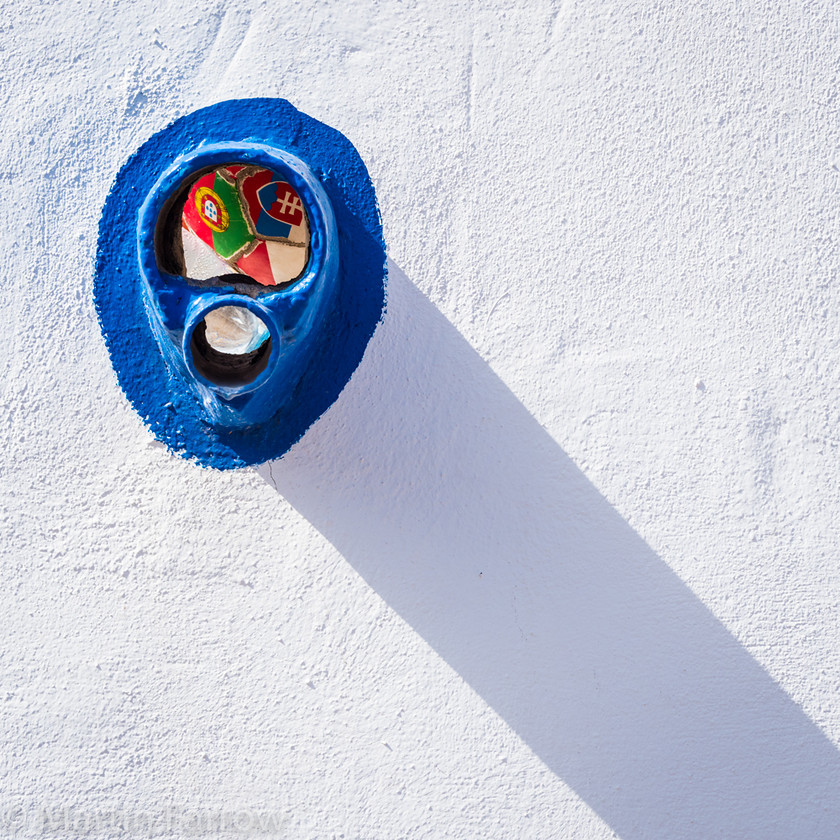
<point x="231" y="346"/>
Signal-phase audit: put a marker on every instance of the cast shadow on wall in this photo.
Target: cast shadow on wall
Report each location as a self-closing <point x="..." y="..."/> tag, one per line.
<point x="458" y="508"/>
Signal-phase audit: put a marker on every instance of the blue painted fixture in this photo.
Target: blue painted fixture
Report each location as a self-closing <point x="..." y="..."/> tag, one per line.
<point x="229" y="366"/>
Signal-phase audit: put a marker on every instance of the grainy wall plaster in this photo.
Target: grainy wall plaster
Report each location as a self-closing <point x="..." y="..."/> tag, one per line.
<point x="562" y="560"/>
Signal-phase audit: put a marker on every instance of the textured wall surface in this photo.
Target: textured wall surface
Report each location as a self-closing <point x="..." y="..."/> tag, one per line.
<point x="562" y="561"/>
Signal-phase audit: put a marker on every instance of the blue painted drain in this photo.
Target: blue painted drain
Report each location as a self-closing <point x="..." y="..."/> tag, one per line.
<point x="240" y="274"/>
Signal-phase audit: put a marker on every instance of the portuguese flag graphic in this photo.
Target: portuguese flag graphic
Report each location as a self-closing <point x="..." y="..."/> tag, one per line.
<point x="213" y="213"/>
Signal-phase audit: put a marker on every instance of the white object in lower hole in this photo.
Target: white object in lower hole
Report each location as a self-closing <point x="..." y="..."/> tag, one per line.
<point x="234" y="330"/>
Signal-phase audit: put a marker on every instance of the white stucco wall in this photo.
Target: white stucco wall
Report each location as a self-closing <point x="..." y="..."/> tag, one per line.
<point x="563" y="559"/>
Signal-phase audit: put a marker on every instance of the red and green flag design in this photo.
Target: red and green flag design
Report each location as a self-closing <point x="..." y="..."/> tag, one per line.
<point x="252" y="220"/>
<point x="213" y="213"/>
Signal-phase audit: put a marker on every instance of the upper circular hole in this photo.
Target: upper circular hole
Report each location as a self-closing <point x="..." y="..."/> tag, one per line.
<point x="236" y="220"/>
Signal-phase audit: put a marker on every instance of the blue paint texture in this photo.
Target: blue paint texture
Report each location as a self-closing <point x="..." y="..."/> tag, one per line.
<point x="160" y="395"/>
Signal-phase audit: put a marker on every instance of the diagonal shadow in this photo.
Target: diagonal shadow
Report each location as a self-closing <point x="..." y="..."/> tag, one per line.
<point x="455" y="505"/>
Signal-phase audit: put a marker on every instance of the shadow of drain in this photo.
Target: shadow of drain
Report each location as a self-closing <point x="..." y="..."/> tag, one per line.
<point x="428" y="470"/>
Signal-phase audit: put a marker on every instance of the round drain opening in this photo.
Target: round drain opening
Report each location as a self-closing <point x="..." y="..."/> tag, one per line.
<point x="231" y="346"/>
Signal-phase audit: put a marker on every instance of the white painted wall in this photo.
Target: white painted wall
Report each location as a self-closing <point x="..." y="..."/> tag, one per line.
<point x="563" y="559"/>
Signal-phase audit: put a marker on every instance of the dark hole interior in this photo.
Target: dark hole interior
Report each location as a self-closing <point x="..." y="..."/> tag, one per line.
<point x="225" y="368"/>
